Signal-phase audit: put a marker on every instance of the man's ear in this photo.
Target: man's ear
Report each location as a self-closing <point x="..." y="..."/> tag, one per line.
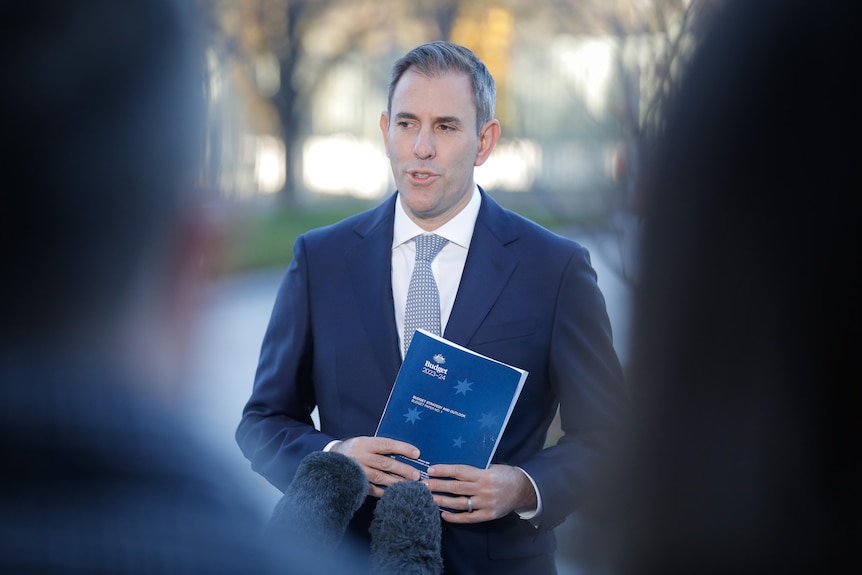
<point x="384" y="127"/>
<point x="488" y="136"/>
<point x="200" y="236"/>
<point x="158" y="331"/>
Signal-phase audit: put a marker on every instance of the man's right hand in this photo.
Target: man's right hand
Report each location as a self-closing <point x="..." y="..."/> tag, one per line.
<point x="372" y="453"/>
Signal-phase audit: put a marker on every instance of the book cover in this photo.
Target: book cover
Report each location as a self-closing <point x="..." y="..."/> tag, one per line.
<point x="450" y="402"/>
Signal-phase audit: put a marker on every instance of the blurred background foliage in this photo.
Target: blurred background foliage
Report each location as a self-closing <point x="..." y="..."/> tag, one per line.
<point x="296" y="88"/>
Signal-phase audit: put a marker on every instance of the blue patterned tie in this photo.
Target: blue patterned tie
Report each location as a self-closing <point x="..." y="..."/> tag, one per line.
<point x="423" y="299"/>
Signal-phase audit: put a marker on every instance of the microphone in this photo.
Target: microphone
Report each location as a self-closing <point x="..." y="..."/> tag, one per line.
<point x="406" y="532"/>
<point x="309" y="521"/>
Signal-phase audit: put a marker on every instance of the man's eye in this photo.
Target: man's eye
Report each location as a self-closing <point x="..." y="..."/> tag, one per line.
<point x="404" y="124"/>
<point x="446" y="127"/>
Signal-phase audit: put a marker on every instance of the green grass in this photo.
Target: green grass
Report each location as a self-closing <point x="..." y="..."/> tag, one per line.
<point x="257" y="238"/>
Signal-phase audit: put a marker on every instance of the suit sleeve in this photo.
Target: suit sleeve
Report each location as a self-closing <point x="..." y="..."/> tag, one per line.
<point x="587" y="377"/>
<point x="276" y="430"/>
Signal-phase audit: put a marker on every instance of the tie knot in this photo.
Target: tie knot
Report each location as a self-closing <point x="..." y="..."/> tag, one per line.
<point x="428" y="246"/>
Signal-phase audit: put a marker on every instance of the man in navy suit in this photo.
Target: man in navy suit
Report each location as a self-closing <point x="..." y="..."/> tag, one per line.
<point x="508" y="288"/>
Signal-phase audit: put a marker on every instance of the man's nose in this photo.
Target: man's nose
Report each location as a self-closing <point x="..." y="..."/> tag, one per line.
<point x="424" y="146"/>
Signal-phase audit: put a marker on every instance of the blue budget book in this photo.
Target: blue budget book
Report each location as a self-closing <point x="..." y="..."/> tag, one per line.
<point x="450" y="402"/>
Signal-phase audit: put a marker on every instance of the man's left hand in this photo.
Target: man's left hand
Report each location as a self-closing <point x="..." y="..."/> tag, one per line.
<point x="479" y="494"/>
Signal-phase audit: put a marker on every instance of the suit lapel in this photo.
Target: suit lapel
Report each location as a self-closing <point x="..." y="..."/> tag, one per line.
<point x="488" y="268"/>
<point x="370" y="264"/>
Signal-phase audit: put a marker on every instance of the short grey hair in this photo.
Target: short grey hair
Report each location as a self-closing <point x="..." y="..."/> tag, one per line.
<point x="435" y="59"/>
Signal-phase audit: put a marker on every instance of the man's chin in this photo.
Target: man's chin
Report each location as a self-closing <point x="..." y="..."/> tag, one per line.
<point x="423" y="202"/>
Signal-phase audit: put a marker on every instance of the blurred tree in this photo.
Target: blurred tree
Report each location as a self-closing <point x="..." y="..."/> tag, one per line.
<point x="284" y="49"/>
<point x="655" y="41"/>
<point x="288" y="46"/>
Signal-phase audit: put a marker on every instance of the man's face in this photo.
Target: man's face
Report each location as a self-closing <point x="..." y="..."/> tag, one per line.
<point x="432" y="144"/>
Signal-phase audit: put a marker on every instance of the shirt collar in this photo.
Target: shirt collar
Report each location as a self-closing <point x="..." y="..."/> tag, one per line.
<point x="458" y="230"/>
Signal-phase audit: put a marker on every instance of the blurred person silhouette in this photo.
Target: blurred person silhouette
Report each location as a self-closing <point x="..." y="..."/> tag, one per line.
<point x="507" y="288"/>
<point x="102" y="112"/>
<point x="742" y="453"/>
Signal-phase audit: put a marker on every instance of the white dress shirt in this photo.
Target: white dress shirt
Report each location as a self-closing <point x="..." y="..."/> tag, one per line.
<point x="447" y="267"/>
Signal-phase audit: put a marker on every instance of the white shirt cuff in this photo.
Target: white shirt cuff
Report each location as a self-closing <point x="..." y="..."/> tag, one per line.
<point x="531" y="515"/>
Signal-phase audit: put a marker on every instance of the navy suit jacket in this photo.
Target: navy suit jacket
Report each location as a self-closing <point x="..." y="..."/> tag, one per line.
<point x="527" y="297"/>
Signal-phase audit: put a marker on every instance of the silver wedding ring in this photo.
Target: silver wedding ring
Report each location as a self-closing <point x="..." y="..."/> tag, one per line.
<point x="469" y="505"/>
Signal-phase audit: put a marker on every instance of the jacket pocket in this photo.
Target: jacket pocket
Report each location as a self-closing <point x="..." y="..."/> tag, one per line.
<point x="513" y="537"/>
<point x="503" y="331"/>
